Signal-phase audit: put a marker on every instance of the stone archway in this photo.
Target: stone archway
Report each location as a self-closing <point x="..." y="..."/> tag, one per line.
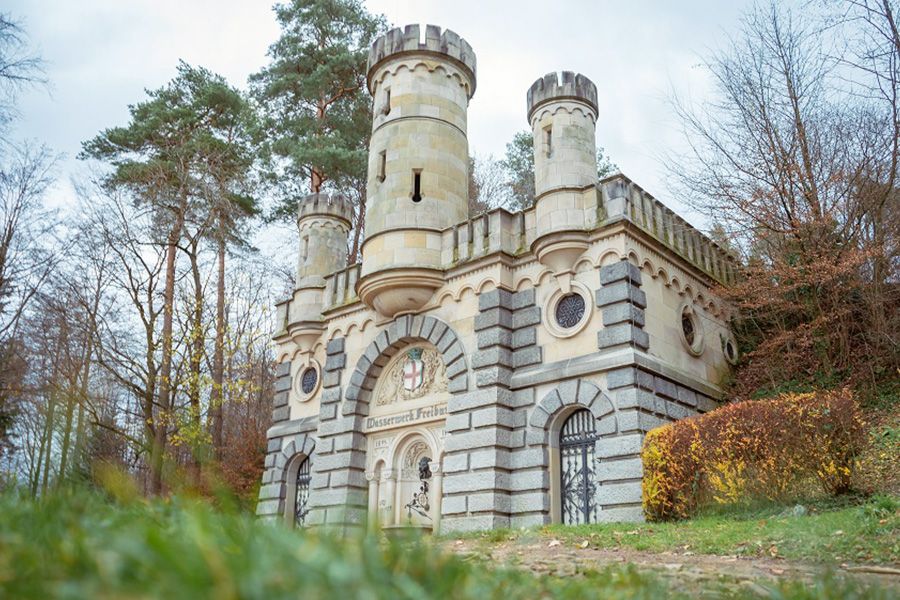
<point x="551" y="415"/>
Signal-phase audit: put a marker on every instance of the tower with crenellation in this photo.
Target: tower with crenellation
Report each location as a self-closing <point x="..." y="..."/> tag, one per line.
<point x="492" y="370"/>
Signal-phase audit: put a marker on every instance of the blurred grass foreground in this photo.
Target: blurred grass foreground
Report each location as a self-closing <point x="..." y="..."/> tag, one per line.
<point x="79" y="544"/>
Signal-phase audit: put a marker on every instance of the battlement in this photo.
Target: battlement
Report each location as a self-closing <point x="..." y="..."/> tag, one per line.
<point x="407" y="40"/>
<point x="564" y="86"/>
<point x="326" y="205"/>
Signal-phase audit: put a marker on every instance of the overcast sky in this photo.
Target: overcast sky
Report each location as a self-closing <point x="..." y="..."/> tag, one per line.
<point x="102" y="54"/>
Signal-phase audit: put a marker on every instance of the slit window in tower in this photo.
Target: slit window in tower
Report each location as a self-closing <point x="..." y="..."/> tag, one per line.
<point x="417" y="186"/>
<point x="382" y="164"/>
<point x="548" y="141"/>
<point x="387" y="101"/>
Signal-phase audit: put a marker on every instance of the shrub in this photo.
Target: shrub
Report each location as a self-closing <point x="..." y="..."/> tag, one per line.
<point x="753" y="449"/>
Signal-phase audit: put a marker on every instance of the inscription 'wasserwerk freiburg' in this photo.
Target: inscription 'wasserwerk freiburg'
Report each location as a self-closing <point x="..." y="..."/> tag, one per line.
<point x="425" y="413"/>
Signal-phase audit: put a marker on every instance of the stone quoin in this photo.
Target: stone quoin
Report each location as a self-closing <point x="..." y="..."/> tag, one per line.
<point x="492" y="371"/>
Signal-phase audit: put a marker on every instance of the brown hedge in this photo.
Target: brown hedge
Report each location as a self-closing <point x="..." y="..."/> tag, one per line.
<point x="753" y="449"/>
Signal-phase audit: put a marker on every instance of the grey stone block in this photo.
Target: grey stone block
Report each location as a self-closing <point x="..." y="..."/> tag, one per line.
<point x="350" y="441"/>
<point x="523" y="398"/>
<point x="531" y="479"/>
<point x="494" y="336"/>
<point x="523" y="299"/>
<point x="621" y="291"/>
<point x="446" y="342"/>
<point x="476" y="438"/>
<point x="494" y="415"/>
<point x="635" y="398"/>
<point x="331" y="395"/>
<point x="490" y="376"/>
<point x="568" y="391"/>
<point x="551" y="402"/>
<point x="341" y="460"/>
<point x="622" y="445"/>
<point x="340" y="425"/>
<point x="623" y="312"/>
<point x="478" y="522"/>
<point x="621" y="514"/>
<point x="526" y="316"/>
<point x="319" y="480"/>
<point x="587" y="394"/>
<point x="349" y="478"/>
<point x="494" y="317"/>
<point x="335" y="346"/>
<point x="622" y="334"/>
<point x="489" y="502"/>
<point x="619" y="493"/>
<point x="489" y="459"/>
<point x="269" y="461"/>
<point x="438" y="331"/>
<point x="665" y="388"/>
<point x="452" y="353"/>
<point x="458" y="422"/>
<point x="687" y="396"/>
<point x="539" y="418"/>
<point x="517" y="438"/>
<point x="281" y="414"/>
<point x="535" y="437"/>
<point x="527" y="458"/>
<point x="495" y="355"/>
<point x="268" y="508"/>
<point x="706" y="404"/>
<point x="522" y="338"/>
<point x="272" y="490"/>
<point x="477" y="398"/>
<point x="331" y="379"/>
<point x="456" y="367"/>
<point x="283" y="369"/>
<point x="280" y="399"/>
<point x="530" y="520"/>
<point x="454" y="463"/>
<point x="622" y="270"/>
<point x="328" y="411"/>
<point x="488" y="480"/>
<point x="428" y="324"/>
<point x="453" y="505"/>
<point x="629" y="376"/>
<point x="459" y="383"/>
<point x="527" y="356"/>
<point x="495" y="298"/>
<point x="282" y="384"/>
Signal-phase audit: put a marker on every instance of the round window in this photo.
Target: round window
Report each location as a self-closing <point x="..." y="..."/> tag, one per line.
<point x="690" y="330"/>
<point x="731" y="351"/>
<point x="570" y="310"/>
<point x="308" y="380"/>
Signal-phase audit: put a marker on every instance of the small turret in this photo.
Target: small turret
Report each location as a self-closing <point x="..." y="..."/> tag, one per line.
<point x="324" y="221"/>
<point x="418" y="163"/>
<point x="562" y="111"/>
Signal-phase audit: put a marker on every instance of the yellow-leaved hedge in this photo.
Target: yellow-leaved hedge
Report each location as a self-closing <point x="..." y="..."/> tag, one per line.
<point x="753" y="449"/>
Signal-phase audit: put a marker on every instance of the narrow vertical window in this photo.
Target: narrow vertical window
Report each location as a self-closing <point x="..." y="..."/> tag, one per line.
<point x="382" y="164"/>
<point x="417" y="186"/>
<point x="305" y="249"/>
<point x="548" y="141"/>
<point x="387" y="101"/>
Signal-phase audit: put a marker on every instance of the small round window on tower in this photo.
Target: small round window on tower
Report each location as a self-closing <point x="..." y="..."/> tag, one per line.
<point x="570" y="310"/>
<point x="731" y="351"/>
<point x="308" y="380"/>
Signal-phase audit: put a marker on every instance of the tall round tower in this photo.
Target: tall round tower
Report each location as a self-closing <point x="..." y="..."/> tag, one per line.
<point x="418" y="163"/>
<point x="324" y="222"/>
<point x="562" y="112"/>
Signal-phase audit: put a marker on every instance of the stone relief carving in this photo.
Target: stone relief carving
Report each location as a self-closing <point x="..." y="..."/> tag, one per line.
<point x="419" y="372"/>
<point x="411" y="459"/>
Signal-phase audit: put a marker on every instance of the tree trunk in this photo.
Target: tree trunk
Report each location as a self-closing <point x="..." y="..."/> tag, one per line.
<point x="218" y="397"/>
<point x="196" y="355"/>
<point x="165" y="384"/>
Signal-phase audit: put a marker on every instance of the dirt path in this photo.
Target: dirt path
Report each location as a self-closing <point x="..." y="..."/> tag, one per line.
<point x="683" y="571"/>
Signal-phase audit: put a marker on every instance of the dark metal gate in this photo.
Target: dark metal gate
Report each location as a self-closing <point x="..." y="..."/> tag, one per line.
<point x="577" y="468"/>
<point x="301" y="495"/>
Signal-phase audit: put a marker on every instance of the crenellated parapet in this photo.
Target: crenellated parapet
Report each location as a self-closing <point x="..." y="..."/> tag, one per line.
<point x="567" y="85"/>
<point x="446" y="44"/>
<point x="335" y="206"/>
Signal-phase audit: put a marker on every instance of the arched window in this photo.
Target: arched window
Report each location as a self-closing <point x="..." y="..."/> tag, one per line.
<point x="578" y="481"/>
<point x="301" y="493"/>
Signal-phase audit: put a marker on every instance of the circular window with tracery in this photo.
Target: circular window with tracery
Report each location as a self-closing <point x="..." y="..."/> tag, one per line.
<point x="306" y="381"/>
<point x="729" y="347"/>
<point x="570" y="311"/>
<point x="691" y="334"/>
<point x="566" y="313"/>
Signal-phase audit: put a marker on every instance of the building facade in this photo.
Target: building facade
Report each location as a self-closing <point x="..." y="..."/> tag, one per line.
<point x="495" y="371"/>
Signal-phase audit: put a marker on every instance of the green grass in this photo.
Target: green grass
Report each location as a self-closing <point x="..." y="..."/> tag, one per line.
<point x="829" y="533"/>
<point x="81" y="545"/>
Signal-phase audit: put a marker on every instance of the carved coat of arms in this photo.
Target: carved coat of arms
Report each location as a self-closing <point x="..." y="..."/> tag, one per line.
<point x="418" y="372"/>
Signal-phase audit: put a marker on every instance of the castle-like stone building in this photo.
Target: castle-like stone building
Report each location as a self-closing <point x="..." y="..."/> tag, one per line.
<point x="495" y="371"/>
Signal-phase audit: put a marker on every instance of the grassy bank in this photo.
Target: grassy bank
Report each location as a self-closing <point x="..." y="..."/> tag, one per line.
<point x="85" y="546"/>
<point x="828" y="533"/>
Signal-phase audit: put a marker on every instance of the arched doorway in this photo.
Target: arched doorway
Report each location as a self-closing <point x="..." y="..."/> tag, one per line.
<point x="578" y="479"/>
<point x="299" y="476"/>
